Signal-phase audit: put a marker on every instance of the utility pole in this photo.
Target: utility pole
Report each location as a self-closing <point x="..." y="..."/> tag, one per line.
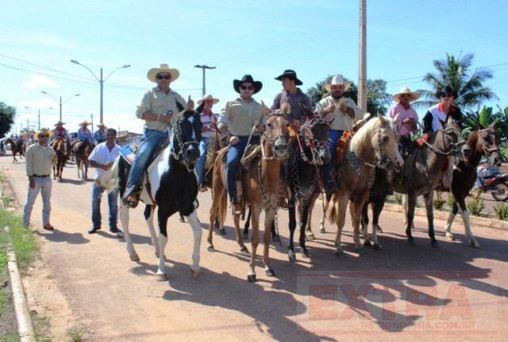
<point x="204" y="67"/>
<point x="91" y="121"/>
<point x="39" y="119"/>
<point x="362" y="69"/>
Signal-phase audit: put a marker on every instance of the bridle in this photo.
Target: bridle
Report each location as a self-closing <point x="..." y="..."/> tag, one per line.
<point x="182" y="145"/>
<point x="307" y="136"/>
<point x="272" y="139"/>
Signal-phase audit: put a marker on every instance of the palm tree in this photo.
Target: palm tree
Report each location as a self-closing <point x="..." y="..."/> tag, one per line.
<point x="456" y="72"/>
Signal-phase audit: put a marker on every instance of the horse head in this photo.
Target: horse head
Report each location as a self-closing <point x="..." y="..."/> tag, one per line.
<point x="452" y="141"/>
<point x="276" y="134"/>
<point x="486" y="144"/>
<point x="186" y="137"/>
<point x="314" y="133"/>
<point x="385" y="139"/>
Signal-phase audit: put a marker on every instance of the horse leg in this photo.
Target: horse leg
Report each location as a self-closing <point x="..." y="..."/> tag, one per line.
<point x="324" y="204"/>
<point x="460" y="201"/>
<point x="428" y="197"/>
<point x="355" y="210"/>
<point x="247" y="225"/>
<point x="162" y="218"/>
<point x="196" y="230"/>
<point x="308" y="227"/>
<point x="124" y="219"/>
<point x="292" y="227"/>
<point x="448" y="227"/>
<point x="239" y="239"/>
<point x="149" y="213"/>
<point x="364" y="223"/>
<point x="341" y="220"/>
<point x="254" y="241"/>
<point x="410" y="205"/>
<point x="304" y="214"/>
<point x="275" y="237"/>
<point x="270" y="215"/>
<point x="377" y="208"/>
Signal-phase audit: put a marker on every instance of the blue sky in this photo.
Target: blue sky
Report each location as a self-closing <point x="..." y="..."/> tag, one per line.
<point x="316" y="38"/>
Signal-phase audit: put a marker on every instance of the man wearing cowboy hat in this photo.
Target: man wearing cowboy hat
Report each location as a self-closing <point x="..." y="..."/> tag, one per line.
<point x="59" y="132"/>
<point x="404" y="116"/>
<point x="236" y="121"/>
<point x="99" y="135"/>
<point x="39" y="160"/>
<point x="208" y="129"/>
<point x="341" y="112"/>
<point x="84" y="133"/>
<point x="159" y="107"/>
<point x="291" y="99"/>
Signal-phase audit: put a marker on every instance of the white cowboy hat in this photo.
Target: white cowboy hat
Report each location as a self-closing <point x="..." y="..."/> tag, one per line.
<point x="208" y="97"/>
<point x="84" y="123"/>
<point x="60" y="123"/>
<point x="337" y="80"/>
<point x="102" y="125"/>
<point x="405" y="90"/>
<point x="42" y="131"/>
<point x="164" y="68"/>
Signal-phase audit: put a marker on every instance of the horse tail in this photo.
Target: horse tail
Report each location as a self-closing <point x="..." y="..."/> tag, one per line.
<point x="110" y="179"/>
<point x="331" y="211"/>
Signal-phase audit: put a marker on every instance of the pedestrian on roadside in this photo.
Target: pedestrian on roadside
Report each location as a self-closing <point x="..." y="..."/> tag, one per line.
<point x="39" y="160"/>
<point x="101" y="158"/>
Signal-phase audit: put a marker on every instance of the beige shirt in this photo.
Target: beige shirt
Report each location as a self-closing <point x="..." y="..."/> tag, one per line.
<point x="240" y="116"/>
<point x="339" y="120"/>
<point x="39" y="160"/>
<point x="157" y="102"/>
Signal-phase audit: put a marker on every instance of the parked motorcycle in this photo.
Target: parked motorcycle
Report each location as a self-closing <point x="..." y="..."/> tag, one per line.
<point x="496" y="184"/>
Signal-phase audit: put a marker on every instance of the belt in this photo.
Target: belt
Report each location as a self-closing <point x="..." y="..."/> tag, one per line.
<point x="40" y="176"/>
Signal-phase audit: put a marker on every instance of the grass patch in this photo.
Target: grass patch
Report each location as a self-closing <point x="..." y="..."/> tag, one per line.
<point x="22" y="240"/>
<point x="75" y="334"/>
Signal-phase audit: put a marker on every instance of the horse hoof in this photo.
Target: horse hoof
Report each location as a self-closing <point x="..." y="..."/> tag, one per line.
<point x="291" y="256"/>
<point x="339" y="253"/>
<point x="251" y="278"/>
<point x="270" y="272"/>
<point x="411" y="242"/>
<point x="310" y="236"/>
<point x="433" y="243"/>
<point x="194" y="274"/>
<point x="367" y="243"/>
<point x="162" y="276"/>
<point x="305" y="254"/>
<point x="276" y="238"/>
<point x="244" y="250"/>
<point x="222" y="231"/>
<point x="377" y="246"/>
<point x="450" y="237"/>
<point x="211" y="248"/>
<point x="134" y="257"/>
<point x="322" y="230"/>
<point x="474" y="244"/>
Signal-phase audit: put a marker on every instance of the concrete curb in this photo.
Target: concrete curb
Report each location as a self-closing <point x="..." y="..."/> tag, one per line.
<point x="443" y="215"/>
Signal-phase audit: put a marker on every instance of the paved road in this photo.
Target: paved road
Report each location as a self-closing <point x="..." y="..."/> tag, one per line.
<point x="397" y="293"/>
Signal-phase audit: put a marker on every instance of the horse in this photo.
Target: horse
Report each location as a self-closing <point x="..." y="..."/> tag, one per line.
<point x="62" y="149"/>
<point x="424" y="169"/>
<point x="81" y="150"/>
<point x="482" y="142"/>
<point x="262" y="189"/>
<point x="374" y="144"/>
<point x="308" y="151"/>
<point x="170" y="184"/>
<point x="16" y="147"/>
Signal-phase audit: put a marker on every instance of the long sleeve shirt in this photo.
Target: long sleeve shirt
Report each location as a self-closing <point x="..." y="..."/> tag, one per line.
<point x="240" y="116"/>
<point x="296" y="102"/>
<point x="39" y="160"/>
<point x="339" y="120"/>
<point x="84" y="135"/>
<point x="435" y="115"/>
<point x="399" y="114"/>
<point x="101" y="154"/>
<point x="157" y="102"/>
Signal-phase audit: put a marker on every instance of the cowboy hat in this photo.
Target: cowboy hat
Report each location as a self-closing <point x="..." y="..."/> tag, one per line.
<point x="60" y="123"/>
<point x="84" y="123"/>
<point x="247" y="79"/>
<point x="42" y="131"/>
<point x="291" y="74"/>
<point x="337" y="80"/>
<point x="164" y="68"/>
<point x="102" y="125"/>
<point x="413" y="95"/>
<point x="208" y="97"/>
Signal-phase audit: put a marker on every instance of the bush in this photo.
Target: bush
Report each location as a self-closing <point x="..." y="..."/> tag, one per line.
<point x="438" y="201"/>
<point x="450" y="201"/>
<point x="397" y="198"/>
<point x="501" y="211"/>
<point x="476" y="206"/>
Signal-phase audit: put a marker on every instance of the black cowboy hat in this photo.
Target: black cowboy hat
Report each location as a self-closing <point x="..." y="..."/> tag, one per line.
<point x="247" y="79"/>
<point x="291" y="74"/>
<point x="447" y="90"/>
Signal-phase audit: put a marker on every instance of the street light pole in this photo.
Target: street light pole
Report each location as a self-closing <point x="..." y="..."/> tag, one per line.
<point x="60" y="100"/>
<point x="204" y="67"/>
<point x="101" y="81"/>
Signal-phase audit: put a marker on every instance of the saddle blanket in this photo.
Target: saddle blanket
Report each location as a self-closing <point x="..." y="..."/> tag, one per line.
<point x="127" y="154"/>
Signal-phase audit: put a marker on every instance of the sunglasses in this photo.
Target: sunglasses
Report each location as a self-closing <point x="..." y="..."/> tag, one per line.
<point x="43" y="136"/>
<point x="447" y="95"/>
<point x="405" y="95"/>
<point x="247" y="87"/>
<point x="165" y="77"/>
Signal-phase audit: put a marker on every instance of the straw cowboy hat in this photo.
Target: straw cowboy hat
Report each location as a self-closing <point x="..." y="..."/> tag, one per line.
<point x="337" y="80"/>
<point x="208" y="97"/>
<point x="247" y="79"/>
<point x="42" y="131"/>
<point x="84" y="123"/>
<point x="291" y="74"/>
<point x="60" y="123"/>
<point x="164" y="68"/>
<point x="413" y="96"/>
<point x="101" y="126"/>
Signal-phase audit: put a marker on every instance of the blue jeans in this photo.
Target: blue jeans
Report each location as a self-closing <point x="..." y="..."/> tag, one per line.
<point x="333" y="140"/>
<point x="235" y="153"/>
<point x="200" y="164"/>
<point x="97" y="192"/>
<point x="149" y="142"/>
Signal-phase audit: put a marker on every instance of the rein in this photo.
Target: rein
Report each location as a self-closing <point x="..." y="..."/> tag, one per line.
<point x="181" y="145"/>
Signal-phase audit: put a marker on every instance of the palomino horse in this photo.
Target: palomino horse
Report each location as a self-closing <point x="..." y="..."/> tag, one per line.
<point x="373" y="145"/>
<point x="170" y="184"/>
<point x="81" y="150"/>
<point x="16" y="147"/>
<point x="482" y="142"/>
<point x="62" y="149"/>
<point x="263" y="188"/>
<point x="423" y="171"/>
<point x="308" y="152"/>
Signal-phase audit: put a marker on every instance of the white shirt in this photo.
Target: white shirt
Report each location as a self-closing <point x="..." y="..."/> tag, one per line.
<point x="102" y="155"/>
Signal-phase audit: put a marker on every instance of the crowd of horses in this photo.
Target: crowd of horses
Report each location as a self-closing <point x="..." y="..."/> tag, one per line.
<point x="288" y="164"/>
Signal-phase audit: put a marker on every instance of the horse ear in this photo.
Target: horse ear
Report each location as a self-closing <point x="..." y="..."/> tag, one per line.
<point x="382" y="119"/>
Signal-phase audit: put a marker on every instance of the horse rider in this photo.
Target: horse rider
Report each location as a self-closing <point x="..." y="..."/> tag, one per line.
<point x="208" y="129"/>
<point x="236" y="121"/>
<point x="60" y="132"/>
<point x="341" y="112"/>
<point x="435" y="119"/>
<point x="404" y="117"/>
<point x="159" y="107"/>
<point x="100" y="135"/>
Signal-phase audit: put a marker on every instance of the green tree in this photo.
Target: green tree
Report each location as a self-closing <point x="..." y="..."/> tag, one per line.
<point x="457" y="72"/>
<point x="7" y="115"/>
<point x="378" y="99"/>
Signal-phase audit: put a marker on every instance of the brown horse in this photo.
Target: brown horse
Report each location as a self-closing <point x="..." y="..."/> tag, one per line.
<point x="262" y="189"/>
<point x="82" y="150"/>
<point x="482" y="142"/>
<point x="62" y="149"/>
<point x="375" y="144"/>
<point x="16" y="147"/>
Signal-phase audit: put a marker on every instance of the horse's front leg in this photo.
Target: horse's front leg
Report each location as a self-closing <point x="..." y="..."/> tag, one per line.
<point x="409" y="206"/>
<point x="292" y="227"/>
<point x="270" y="216"/>
<point x="149" y="214"/>
<point x="448" y="226"/>
<point x="341" y="220"/>
<point x="355" y="209"/>
<point x="239" y="239"/>
<point x="304" y="215"/>
<point x="254" y="241"/>
<point x="196" y="230"/>
<point x="162" y="216"/>
<point x="124" y="220"/>
<point x="467" y="222"/>
<point x="377" y="207"/>
<point x="428" y="197"/>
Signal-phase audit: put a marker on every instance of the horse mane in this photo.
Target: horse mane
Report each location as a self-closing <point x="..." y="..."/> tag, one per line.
<point x="365" y="133"/>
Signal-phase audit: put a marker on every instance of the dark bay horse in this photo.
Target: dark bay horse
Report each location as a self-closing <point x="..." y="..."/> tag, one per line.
<point x="169" y="184"/>
<point x="482" y="142"/>
<point x="16" y="146"/>
<point x="308" y="151"/>
<point x="423" y="171"/>
<point x="81" y="151"/>
<point x="262" y="189"/>
<point x="62" y="148"/>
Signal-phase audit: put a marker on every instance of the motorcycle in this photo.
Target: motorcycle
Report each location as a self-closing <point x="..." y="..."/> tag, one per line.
<point x="496" y="184"/>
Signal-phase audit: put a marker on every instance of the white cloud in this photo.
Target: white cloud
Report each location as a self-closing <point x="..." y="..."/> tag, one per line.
<point x="37" y="81"/>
